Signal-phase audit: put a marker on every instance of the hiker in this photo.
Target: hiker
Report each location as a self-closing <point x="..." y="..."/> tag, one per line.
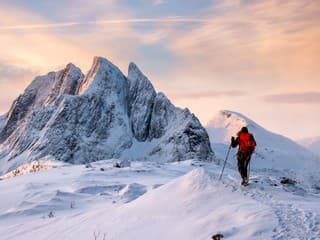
<point x="247" y="145"/>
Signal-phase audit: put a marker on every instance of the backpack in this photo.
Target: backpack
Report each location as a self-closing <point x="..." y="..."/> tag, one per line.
<point x="246" y="142"/>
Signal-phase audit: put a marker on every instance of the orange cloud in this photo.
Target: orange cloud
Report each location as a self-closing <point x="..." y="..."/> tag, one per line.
<point x="294" y="98"/>
<point x="206" y="94"/>
<point x="256" y="42"/>
<point x="38" y="43"/>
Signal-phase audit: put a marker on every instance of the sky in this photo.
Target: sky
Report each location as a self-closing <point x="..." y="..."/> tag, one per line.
<point x="260" y="58"/>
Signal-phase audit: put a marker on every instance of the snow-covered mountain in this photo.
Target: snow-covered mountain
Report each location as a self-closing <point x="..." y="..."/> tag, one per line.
<point x="313" y="144"/>
<point x="79" y="118"/>
<point x="47" y="199"/>
<point x="273" y="150"/>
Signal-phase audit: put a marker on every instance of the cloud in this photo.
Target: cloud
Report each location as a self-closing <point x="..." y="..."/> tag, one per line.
<point x="206" y="94"/>
<point x="252" y="46"/>
<point x="33" y="51"/>
<point x="260" y="44"/>
<point x="294" y="98"/>
<point x="175" y="19"/>
<point x="159" y="2"/>
<point x="11" y="74"/>
<point x="43" y="45"/>
<point x="13" y="79"/>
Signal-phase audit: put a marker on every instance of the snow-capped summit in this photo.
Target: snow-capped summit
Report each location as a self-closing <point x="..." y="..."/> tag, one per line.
<point x="43" y="91"/>
<point x="273" y="150"/>
<point x="104" y="78"/>
<point x="75" y="118"/>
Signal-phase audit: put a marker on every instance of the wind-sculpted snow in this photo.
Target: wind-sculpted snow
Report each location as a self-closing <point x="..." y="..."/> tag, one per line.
<point x="77" y="119"/>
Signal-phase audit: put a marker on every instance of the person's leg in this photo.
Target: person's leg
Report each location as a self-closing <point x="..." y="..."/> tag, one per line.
<point x="241" y="165"/>
<point x="245" y="167"/>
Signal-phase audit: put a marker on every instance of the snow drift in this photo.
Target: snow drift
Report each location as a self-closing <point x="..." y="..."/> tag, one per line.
<point x="187" y="207"/>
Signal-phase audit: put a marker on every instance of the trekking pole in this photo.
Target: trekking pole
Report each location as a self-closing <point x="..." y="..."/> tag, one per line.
<point x="225" y="161"/>
<point x="249" y="171"/>
<point x="249" y="157"/>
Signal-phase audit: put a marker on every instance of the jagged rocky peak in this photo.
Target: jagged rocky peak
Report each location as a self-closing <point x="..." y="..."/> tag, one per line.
<point x="42" y="91"/>
<point x="163" y="113"/>
<point x="103" y="78"/>
<point x="140" y="102"/>
<point x="76" y="118"/>
<point x="67" y="81"/>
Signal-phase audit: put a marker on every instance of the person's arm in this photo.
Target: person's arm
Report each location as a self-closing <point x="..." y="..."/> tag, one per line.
<point x="234" y="142"/>
<point x="255" y="143"/>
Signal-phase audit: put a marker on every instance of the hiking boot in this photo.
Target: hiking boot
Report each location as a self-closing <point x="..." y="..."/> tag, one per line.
<point x="245" y="181"/>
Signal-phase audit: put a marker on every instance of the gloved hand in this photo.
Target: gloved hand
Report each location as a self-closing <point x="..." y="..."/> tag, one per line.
<point x="233" y="142"/>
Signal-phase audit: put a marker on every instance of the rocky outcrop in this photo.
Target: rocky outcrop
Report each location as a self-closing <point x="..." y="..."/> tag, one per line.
<point x="141" y="101"/>
<point x="77" y="119"/>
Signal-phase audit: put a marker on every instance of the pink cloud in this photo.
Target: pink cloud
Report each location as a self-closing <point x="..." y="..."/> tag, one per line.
<point x="206" y="94"/>
<point x="294" y="98"/>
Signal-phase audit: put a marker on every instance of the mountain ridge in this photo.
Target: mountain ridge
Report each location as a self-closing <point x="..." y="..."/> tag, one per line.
<point x="80" y="118"/>
<point x="272" y="151"/>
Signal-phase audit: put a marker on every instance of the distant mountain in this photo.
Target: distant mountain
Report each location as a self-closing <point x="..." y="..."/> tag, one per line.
<point x="273" y="150"/>
<point x="77" y="118"/>
<point x="313" y="144"/>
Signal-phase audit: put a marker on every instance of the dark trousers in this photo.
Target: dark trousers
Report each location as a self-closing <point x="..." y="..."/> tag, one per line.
<point x="243" y="162"/>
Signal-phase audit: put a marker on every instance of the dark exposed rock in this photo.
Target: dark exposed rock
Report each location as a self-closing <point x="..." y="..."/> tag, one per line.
<point x="288" y="181"/>
<point x="140" y="102"/>
<point x="163" y="111"/>
<point x="79" y="119"/>
<point x="116" y="165"/>
<point x="218" y="236"/>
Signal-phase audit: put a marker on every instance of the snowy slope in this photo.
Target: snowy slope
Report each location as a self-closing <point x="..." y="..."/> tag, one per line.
<point x="159" y="201"/>
<point x="313" y="144"/>
<point x="77" y="118"/>
<point x="273" y="150"/>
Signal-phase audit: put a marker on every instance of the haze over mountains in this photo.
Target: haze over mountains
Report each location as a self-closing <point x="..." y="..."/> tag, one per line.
<point x="313" y="144"/>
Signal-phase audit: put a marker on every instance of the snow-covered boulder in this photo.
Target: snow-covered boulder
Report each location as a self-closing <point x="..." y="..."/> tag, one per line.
<point x="78" y="119"/>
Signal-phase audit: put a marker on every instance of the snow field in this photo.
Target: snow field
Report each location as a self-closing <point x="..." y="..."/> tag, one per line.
<point x="170" y="201"/>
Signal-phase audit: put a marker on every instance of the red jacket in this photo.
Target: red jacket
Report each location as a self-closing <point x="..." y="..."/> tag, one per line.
<point x="245" y="141"/>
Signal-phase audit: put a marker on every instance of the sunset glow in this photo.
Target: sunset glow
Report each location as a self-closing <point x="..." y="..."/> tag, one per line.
<point x="260" y="58"/>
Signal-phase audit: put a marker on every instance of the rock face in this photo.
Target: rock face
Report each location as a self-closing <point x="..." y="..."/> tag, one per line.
<point x="141" y="101"/>
<point x="75" y="118"/>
